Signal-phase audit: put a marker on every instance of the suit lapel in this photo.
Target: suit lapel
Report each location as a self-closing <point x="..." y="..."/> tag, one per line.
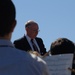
<point x="27" y="43"/>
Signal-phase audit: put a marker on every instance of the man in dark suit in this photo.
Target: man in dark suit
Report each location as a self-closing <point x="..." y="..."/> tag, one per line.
<point x="25" y="43"/>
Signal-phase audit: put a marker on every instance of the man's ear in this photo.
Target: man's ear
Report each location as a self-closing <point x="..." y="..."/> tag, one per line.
<point x="13" y="25"/>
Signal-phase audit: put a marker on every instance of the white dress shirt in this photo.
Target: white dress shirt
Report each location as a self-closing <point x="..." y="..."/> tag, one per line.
<point x="18" y="62"/>
<point x="29" y="41"/>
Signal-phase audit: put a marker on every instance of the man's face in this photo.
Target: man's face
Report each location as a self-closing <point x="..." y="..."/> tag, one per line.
<point x="32" y="31"/>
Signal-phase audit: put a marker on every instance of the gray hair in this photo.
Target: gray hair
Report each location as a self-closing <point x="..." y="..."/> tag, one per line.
<point x="29" y="23"/>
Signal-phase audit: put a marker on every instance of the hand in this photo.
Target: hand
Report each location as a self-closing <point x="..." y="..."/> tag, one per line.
<point x="35" y="52"/>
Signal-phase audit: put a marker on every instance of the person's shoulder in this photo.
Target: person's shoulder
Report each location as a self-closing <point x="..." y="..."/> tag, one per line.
<point x="19" y="39"/>
<point x="25" y="59"/>
<point x="24" y="56"/>
<point x="28" y="57"/>
<point x="38" y="38"/>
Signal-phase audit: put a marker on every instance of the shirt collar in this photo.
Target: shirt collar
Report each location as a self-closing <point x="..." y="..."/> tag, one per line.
<point x="6" y="42"/>
<point x="28" y="37"/>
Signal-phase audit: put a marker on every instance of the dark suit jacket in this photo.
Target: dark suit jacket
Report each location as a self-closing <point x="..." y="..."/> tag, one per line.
<point x="23" y="44"/>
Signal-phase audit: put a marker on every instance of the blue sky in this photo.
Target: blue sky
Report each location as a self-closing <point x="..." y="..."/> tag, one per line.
<point x="56" y="19"/>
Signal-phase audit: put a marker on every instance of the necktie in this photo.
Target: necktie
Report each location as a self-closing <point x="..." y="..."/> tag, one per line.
<point x="34" y="45"/>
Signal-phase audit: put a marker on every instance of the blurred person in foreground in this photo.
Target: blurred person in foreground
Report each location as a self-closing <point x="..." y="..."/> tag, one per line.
<point x="14" y="61"/>
<point x="64" y="46"/>
<point x="27" y="42"/>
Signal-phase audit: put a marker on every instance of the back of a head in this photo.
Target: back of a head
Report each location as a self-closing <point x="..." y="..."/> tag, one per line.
<point x="29" y="23"/>
<point x="62" y="46"/>
<point x="7" y="16"/>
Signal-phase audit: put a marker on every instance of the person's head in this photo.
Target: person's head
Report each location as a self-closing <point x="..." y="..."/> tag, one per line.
<point x="62" y="46"/>
<point x="32" y="29"/>
<point x="7" y="17"/>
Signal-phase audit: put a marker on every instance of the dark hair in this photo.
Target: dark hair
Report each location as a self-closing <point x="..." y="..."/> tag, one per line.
<point x="62" y="46"/>
<point x="7" y="16"/>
